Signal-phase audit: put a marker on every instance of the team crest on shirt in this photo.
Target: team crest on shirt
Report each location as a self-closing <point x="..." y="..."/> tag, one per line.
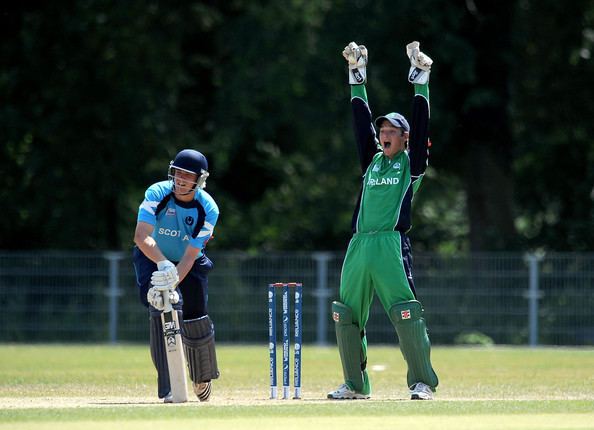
<point x="170" y="212"/>
<point x="397" y="165"/>
<point x="189" y="220"/>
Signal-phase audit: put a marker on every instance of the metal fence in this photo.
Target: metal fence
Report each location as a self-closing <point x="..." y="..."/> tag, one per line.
<point x="512" y="298"/>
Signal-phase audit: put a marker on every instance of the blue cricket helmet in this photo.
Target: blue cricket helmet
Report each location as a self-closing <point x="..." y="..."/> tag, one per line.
<point x="190" y="161"/>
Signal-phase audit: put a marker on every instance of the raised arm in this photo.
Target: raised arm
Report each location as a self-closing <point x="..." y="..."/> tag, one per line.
<point x="357" y="56"/>
<point x="419" y="133"/>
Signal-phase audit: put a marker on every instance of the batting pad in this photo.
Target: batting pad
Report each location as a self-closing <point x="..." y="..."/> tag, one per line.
<point x="199" y="346"/>
<point x="348" y="338"/>
<point x="408" y="320"/>
<point x="158" y="355"/>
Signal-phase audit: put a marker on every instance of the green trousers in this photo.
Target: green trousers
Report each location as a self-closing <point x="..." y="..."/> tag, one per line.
<point x="373" y="265"/>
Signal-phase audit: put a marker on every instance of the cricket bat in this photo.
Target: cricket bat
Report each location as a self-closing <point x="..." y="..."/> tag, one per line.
<point x="174" y="348"/>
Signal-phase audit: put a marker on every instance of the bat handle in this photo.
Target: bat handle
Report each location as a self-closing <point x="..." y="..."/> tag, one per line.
<point x="167" y="307"/>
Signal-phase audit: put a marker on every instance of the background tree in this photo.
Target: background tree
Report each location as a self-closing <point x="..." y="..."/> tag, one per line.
<point x="98" y="96"/>
<point x="552" y="107"/>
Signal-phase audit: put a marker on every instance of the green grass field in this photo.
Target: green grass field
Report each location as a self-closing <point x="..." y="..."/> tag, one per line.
<point x="99" y="387"/>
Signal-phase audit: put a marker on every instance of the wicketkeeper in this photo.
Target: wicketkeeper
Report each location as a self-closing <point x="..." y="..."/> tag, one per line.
<point x="379" y="259"/>
<point x="175" y="220"/>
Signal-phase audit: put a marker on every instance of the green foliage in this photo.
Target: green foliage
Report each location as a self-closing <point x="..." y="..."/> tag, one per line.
<point x="98" y="96"/>
<point x="553" y="111"/>
<point x="94" y="86"/>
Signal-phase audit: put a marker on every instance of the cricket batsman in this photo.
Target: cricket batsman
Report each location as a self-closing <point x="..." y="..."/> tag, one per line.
<point x="175" y="221"/>
<point x="379" y="257"/>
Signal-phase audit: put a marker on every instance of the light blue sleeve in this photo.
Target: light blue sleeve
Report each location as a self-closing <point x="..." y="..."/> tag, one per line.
<point x="211" y="216"/>
<point x="152" y="197"/>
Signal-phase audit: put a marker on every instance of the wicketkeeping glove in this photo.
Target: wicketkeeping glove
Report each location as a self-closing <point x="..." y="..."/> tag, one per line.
<point x="420" y="64"/>
<point x="356" y="56"/>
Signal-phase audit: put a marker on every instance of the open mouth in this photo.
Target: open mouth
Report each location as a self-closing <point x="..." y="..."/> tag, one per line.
<point x="387" y="145"/>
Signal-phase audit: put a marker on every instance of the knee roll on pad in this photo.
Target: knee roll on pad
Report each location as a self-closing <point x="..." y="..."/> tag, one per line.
<point x="199" y="346"/>
<point x="158" y="354"/>
<point x="348" y="338"/>
<point x="407" y="318"/>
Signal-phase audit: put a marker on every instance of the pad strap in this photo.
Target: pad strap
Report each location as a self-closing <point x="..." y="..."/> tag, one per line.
<point x="407" y="318"/>
<point x="199" y="346"/>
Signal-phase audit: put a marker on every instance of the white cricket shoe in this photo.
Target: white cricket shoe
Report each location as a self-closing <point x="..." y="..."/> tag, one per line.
<point x="344" y="392"/>
<point x="203" y="390"/>
<point x="420" y="391"/>
<point x="168" y="398"/>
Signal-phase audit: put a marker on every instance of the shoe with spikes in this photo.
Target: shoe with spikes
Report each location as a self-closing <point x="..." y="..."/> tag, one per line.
<point x="344" y="392"/>
<point x="421" y="391"/>
<point x="203" y="390"/>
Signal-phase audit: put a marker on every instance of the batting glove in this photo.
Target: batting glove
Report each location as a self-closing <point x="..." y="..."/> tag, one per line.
<point x="420" y="64"/>
<point x="161" y="281"/>
<point x="173" y="297"/>
<point x="155" y="299"/>
<point x="166" y="278"/>
<point x="356" y="56"/>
